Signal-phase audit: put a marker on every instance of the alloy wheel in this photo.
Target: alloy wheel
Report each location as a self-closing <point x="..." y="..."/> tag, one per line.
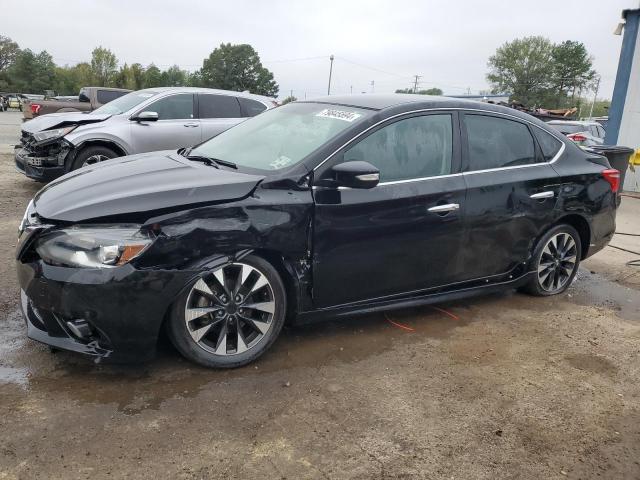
<point x="230" y="310"/>
<point x="93" y="159"/>
<point x="557" y="262"/>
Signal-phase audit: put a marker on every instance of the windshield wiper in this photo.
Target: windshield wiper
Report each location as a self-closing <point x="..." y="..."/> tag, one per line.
<point x="224" y="163"/>
<point x="185" y="152"/>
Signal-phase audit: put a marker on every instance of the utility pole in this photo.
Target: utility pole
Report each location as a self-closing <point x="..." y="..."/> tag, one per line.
<point x="373" y="86"/>
<point x="595" y="95"/>
<point x="330" y="72"/>
<point x="291" y="94"/>
<point x="415" y="83"/>
<point x="351" y="88"/>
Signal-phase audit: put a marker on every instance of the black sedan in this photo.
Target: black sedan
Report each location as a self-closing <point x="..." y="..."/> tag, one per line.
<point x="313" y="210"/>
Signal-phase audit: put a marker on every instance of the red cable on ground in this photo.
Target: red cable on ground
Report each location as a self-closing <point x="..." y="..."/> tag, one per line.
<point x="442" y="310"/>
<point x="399" y="325"/>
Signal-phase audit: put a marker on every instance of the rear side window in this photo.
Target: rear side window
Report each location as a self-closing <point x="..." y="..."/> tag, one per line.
<point x="601" y="132"/>
<point x="413" y="148"/>
<point x="251" y="108"/>
<point x="497" y="142"/>
<point x="218" y="106"/>
<point x="549" y="145"/>
<point x="174" y="107"/>
<point x="105" y="96"/>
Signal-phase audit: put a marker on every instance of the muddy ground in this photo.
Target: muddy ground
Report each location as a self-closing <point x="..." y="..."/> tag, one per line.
<point x="508" y="386"/>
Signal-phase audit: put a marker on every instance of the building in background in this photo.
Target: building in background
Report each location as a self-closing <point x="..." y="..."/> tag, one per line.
<point x="623" y="127"/>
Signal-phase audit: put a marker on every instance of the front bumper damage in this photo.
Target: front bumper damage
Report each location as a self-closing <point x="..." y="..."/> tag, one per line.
<point x="113" y="314"/>
<point x="42" y="162"/>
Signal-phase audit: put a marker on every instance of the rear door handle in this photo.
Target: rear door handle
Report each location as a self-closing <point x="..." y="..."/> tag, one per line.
<point x="191" y="125"/>
<point x="449" y="207"/>
<point x="542" y="195"/>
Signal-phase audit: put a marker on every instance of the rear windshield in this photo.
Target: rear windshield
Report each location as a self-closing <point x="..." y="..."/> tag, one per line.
<point x="126" y="102"/>
<point x="568" y="128"/>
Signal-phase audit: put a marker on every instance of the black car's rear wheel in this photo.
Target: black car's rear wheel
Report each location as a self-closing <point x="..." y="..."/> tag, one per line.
<point x="556" y="257"/>
<point x="231" y="315"/>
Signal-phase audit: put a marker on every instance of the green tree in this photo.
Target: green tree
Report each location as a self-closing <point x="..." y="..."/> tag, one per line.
<point x="137" y="76"/>
<point x="174" y="77"/>
<point x="237" y="67"/>
<point x="8" y="52"/>
<point x="31" y="73"/>
<point x="152" y="77"/>
<point x="289" y="99"/>
<point x="104" y="65"/>
<point x="123" y="77"/>
<point x="572" y="70"/>
<point x="430" y="91"/>
<point x="523" y="67"/>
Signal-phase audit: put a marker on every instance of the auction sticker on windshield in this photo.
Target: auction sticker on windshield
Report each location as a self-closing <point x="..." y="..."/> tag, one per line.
<point x="339" y="114"/>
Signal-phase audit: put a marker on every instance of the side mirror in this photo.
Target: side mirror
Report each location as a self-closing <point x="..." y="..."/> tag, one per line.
<point x="82" y="97"/>
<point x="356" y="174"/>
<point x="146" y="116"/>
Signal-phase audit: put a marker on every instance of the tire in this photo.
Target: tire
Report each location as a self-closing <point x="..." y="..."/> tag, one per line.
<point x="555" y="268"/>
<point x="231" y="315"/>
<point x="91" y="155"/>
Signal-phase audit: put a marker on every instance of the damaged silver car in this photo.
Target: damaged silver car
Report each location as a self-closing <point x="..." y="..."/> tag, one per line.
<point x="142" y="121"/>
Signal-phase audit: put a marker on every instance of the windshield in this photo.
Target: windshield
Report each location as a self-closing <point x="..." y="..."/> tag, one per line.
<point x="568" y="128"/>
<point x="281" y="137"/>
<point x="126" y="102"/>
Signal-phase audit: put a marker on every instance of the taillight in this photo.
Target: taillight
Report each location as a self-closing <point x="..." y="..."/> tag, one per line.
<point x="35" y="108"/>
<point x="612" y="176"/>
<point x="577" y="137"/>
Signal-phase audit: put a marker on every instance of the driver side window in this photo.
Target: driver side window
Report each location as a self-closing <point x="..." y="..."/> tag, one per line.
<point x="415" y="147"/>
<point x="174" y="107"/>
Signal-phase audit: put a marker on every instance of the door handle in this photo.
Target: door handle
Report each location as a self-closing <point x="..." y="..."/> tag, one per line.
<point x="543" y="195"/>
<point x="191" y="125"/>
<point x="449" y="207"/>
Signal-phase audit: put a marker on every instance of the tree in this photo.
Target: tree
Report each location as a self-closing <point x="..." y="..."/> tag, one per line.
<point x="430" y="91"/>
<point x="152" y="77"/>
<point x="137" y="77"/>
<point x="289" y="99"/>
<point x="237" y="67"/>
<point x="174" y="77"/>
<point x="104" y="65"/>
<point x="524" y="68"/>
<point x="31" y="73"/>
<point x="8" y="52"/>
<point x="571" y="69"/>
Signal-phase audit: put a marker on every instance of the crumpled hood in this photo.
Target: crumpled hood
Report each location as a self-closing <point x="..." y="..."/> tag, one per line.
<point x="139" y="183"/>
<point x="59" y="120"/>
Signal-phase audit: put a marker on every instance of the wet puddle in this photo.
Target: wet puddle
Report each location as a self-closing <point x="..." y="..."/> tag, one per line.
<point x="135" y="388"/>
<point x="592" y="289"/>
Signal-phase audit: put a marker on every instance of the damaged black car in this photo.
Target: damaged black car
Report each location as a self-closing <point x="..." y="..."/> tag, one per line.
<point x="313" y="210"/>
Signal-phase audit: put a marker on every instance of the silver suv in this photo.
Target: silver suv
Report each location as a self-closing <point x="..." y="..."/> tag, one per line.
<point x="142" y="121"/>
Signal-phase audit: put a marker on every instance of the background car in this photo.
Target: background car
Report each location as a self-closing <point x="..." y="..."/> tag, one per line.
<point x="141" y="121"/>
<point x="317" y="209"/>
<point x="15" y="102"/>
<point x="87" y="100"/>
<point x="582" y="132"/>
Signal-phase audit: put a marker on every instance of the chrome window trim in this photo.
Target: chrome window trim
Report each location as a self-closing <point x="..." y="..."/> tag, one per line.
<point x="442" y="109"/>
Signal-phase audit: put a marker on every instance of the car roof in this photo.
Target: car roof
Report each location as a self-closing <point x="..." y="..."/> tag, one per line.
<point x="261" y="98"/>
<point x="407" y="102"/>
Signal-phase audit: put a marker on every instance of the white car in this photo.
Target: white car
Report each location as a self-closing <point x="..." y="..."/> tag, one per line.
<point x="585" y="134"/>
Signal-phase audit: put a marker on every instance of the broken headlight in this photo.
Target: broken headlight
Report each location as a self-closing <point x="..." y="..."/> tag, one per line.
<point x="54" y="134"/>
<point x="93" y="246"/>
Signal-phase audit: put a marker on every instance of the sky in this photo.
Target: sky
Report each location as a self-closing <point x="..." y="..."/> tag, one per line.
<point x="378" y="45"/>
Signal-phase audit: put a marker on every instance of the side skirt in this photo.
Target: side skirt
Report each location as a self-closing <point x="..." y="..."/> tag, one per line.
<point x="406" y="302"/>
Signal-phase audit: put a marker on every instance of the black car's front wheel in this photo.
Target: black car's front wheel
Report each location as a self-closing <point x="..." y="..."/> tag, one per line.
<point x="556" y="260"/>
<point x="231" y="315"/>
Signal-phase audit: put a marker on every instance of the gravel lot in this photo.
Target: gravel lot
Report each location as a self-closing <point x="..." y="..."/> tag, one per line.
<point x="509" y="386"/>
